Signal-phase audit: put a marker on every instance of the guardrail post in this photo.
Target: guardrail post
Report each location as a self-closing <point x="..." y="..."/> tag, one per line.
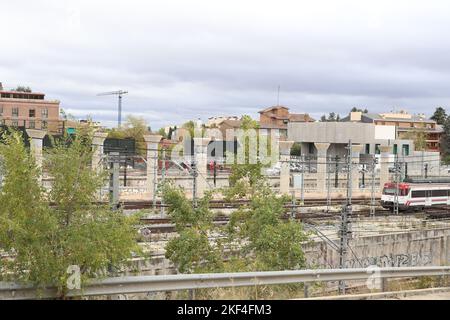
<point x="306" y="290"/>
<point x="384" y="284"/>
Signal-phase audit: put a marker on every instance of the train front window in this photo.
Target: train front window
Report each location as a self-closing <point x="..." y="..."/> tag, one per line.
<point x="389" y="191"/>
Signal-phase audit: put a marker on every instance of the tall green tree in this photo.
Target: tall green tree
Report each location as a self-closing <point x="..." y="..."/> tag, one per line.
<point x="439" y="115"/>
<point x="355" y="109"/>
<point x="134" y="128"/>
<point x="445" y="141"/>
<point x="247" y="174"/>
<point x="266" y="241"/>
<point x="191" y="250"/>
<point x="420" y="139"/>
<point x="45" y="240"/>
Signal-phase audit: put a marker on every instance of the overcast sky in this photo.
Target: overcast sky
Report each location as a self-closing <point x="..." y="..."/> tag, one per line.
<point x="183" y="60"/>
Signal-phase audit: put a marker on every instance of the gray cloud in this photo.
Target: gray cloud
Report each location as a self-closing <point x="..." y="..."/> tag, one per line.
<point x="183" y="60"/>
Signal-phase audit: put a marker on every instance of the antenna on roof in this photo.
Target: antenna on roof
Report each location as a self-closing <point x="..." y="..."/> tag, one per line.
<point x="278" y="96"/>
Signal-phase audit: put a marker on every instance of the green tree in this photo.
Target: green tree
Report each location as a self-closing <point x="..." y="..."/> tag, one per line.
<point x="267" y="241"/>
<point x="445" y="141"/>
<point x="331" y="117"/>
<point x="44" y="241"/>
<point x="245" y="175"/>
<point x="23" y="89"/>
<point x="162" y="132"/>
<point x="134" y="128"/>
<point x="354" y="109"/>
<point x="420" y="139"/>
<point x="296" y="149"/>
<point x="191" y="250"/>
<point x="440" y="116"/>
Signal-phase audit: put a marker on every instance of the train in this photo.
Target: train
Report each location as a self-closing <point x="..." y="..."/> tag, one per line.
<point x="416" y="194"/>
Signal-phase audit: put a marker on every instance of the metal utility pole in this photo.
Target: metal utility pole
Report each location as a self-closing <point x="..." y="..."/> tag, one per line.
<point x="397" y="181"/>
<point x="215" y="173"/>
<point x="426" y="170"/>
<point x="194" y="180"/>
<point x="302" y="183"/>
<point x="344" y="231"/>
<point x="114" y="180"/>
<point x="372" y="190"/>
<point x="163" y="176"/>
<point x="328" y="185"/>
<point x="336" y="173"/>
<point x="363" y="173"/>
<point x="423" y="164"/>
<point x="293" y="205"/>
<point x="119" y="93"/>
<point x="155" y="179"/>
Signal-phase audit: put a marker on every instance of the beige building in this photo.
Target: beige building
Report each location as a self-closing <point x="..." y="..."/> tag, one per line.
<point x="30" y="110"/>
<point x="406" y="125"/>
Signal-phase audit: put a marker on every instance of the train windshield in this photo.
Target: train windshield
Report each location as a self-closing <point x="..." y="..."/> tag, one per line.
<point x="391" y="191"/>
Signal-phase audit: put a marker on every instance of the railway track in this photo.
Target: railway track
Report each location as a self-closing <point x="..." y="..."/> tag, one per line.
<point x="165" y="225"/>
<point x="220" y="204"/>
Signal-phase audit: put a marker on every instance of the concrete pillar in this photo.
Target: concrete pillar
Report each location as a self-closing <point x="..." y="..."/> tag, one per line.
<point x="385" y="151"/>
<point x="356" y="151"/>
<point x="201" y="160"/>
<point x="321" y="175"/>
<point x="36" y="144"/>
<point x="152" y="142"/>
<point x="285" y="157"/>
<point x="97" y="141"/>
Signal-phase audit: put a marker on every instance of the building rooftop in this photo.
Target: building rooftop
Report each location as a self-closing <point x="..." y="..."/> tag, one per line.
<point x="390" y="116"/>
<point x="11" y="94"/>
<point x="273" y="108"/>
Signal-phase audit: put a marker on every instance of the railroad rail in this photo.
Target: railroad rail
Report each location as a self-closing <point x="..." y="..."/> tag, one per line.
<point x="165" y="225"/>
<point x="221" y="204"/>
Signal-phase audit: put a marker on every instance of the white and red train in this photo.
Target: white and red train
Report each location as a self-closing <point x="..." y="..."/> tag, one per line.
<point x="417" y="194"/>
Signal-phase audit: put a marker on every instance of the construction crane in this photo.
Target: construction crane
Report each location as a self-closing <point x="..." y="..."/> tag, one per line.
<point x="119" y="93"/>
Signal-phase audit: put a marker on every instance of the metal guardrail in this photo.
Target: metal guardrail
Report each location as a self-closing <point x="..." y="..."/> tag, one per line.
<point x="144" y="284"/>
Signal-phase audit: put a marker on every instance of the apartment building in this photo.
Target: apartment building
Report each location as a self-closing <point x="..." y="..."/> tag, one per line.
<point x="278" y="117"/>
<point x="29" y="110"/>
<point x="406" y="125"/>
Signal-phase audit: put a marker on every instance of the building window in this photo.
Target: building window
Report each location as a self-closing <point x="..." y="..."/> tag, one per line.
<point x="367" y="148"/>
<point x="405" y="150"/>
<point x="32" y="113"/>
<point x="32" y="125"/>
<point x="395" y="149"/>
<point x="44" y="113"/>
<point x="1" y="110"/>
<point x="311" y="148"/>
<point x="44" y="124"/>
<point x="15" y="112"/>
<point x="377" y="149"/>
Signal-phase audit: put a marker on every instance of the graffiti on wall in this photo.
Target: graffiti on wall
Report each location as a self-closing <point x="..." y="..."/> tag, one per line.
<point x="391" y="260"/>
